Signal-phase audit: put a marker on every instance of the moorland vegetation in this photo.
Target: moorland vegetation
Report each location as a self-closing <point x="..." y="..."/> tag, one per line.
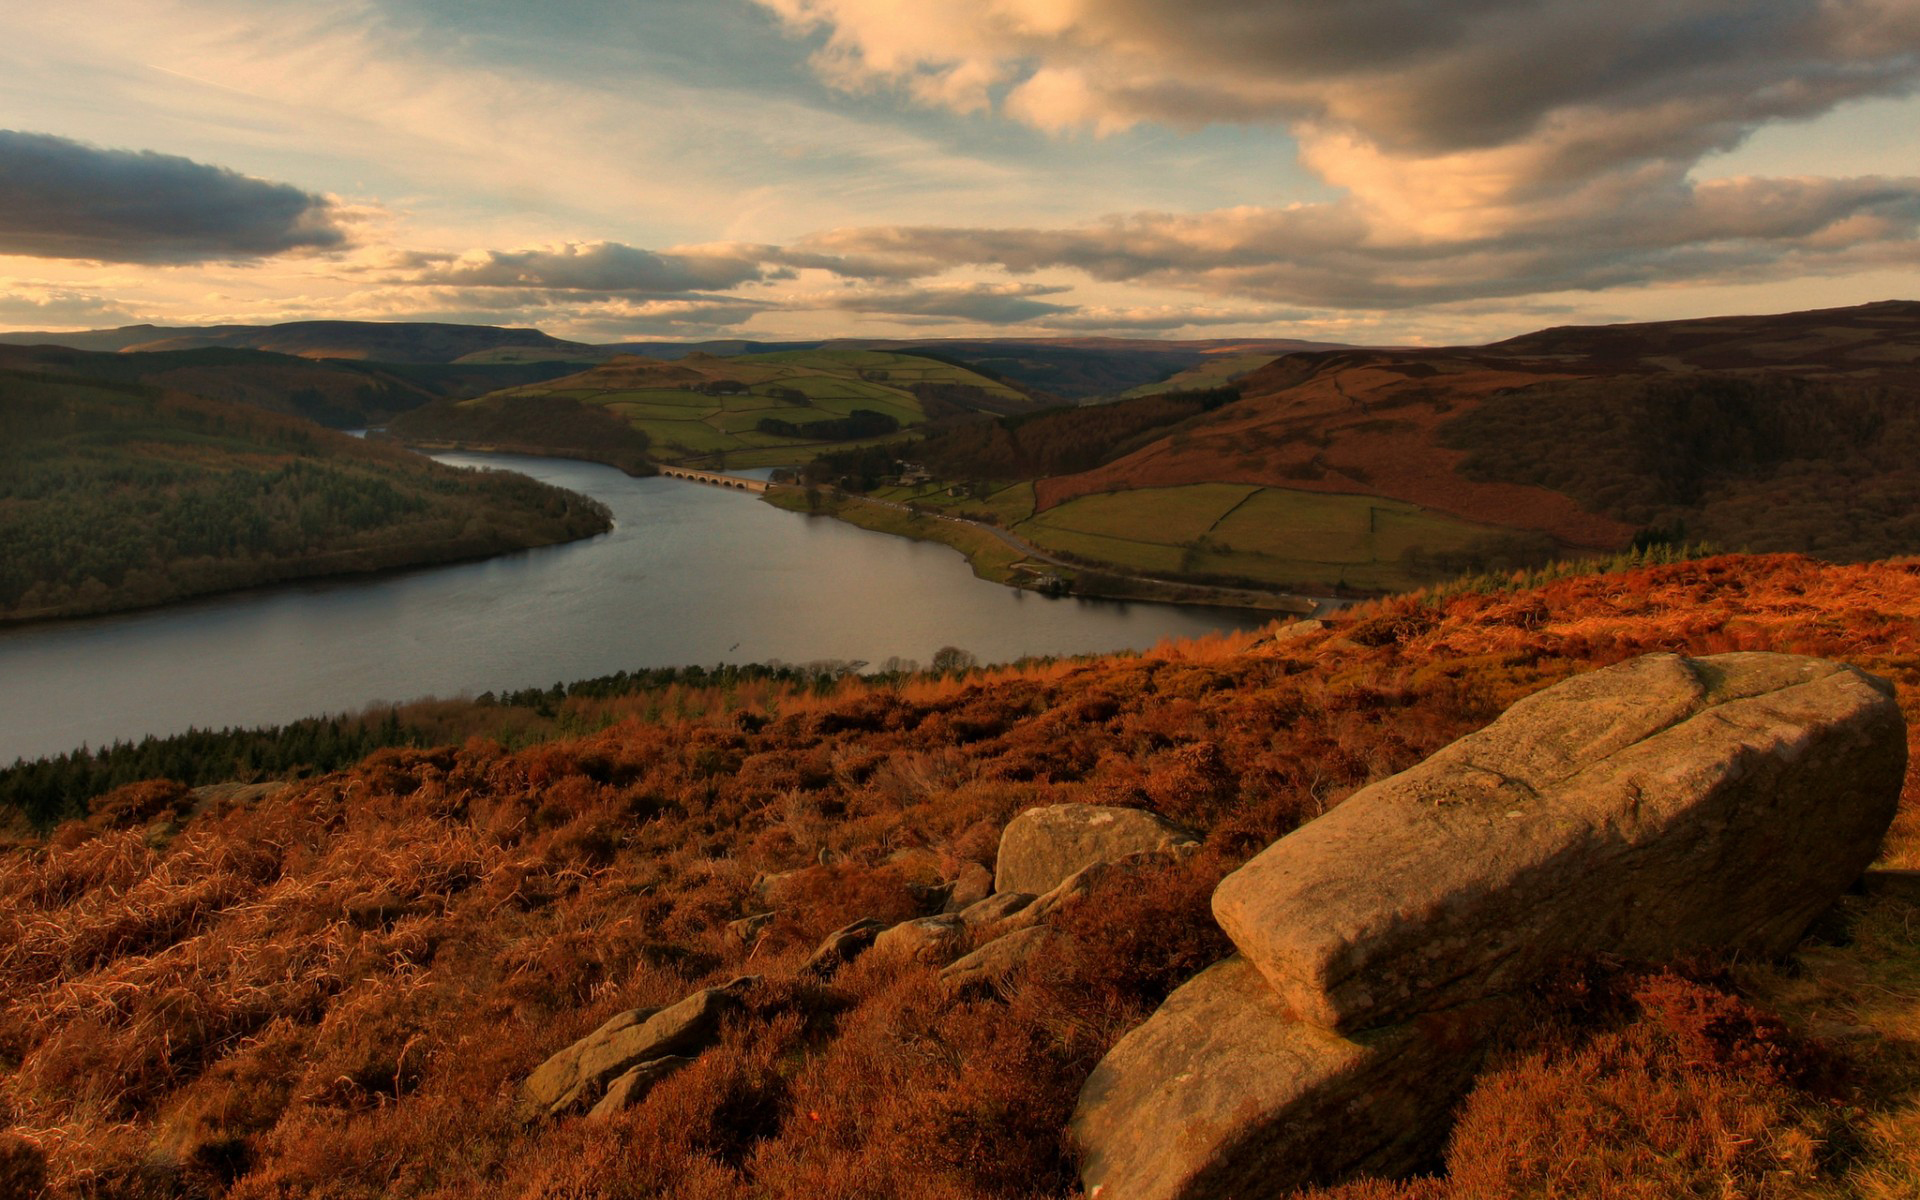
<point x="335" y="990"/>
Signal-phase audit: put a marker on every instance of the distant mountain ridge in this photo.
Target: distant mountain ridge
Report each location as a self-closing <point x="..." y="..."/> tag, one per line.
<point x="378" y="341"/>
<point x="1070" y="368"/>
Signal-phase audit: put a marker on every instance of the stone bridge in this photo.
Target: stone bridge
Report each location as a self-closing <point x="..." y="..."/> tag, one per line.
<point x="715" y="478"/>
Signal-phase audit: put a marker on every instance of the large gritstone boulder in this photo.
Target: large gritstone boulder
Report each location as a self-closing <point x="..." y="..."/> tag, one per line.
<point x="1650" y="809"/>
<point x="1223" y="1094"/>
<point x="1043" y="846"/>
<point x="1662" y="806"/>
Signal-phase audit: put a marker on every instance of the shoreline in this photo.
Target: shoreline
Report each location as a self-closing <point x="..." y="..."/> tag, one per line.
<point x="1000" y="557"/>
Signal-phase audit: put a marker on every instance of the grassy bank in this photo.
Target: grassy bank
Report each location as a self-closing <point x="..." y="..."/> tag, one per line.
<point x="993" y="559"/>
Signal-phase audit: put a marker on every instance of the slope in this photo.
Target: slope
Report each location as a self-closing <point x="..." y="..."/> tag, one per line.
<point x="1791" y="432"/>
<point x="117" y="495"/>
<point x="749" y="410"/>
<point x="335" y="989"/>
<point x="380" y="341"/>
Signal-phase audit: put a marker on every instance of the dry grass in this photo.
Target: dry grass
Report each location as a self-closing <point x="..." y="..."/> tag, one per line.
<point x="334" y="992"/>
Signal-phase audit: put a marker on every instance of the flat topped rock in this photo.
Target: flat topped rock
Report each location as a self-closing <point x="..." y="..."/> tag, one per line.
<point x="1653" y="808"/>
<point x="1041" y="847"/>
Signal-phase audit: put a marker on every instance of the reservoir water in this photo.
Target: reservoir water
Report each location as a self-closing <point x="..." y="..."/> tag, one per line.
<point x="690" y="574"/>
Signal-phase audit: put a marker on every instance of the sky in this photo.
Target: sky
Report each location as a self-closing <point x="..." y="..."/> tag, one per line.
<point x="1372" y="171"/>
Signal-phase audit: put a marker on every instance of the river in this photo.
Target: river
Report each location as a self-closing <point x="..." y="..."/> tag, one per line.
<point x="690" y="574"/>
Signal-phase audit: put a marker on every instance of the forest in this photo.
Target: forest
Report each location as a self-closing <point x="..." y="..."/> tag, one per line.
<point x="559" y="426"/>
<point x="122" y="495"/>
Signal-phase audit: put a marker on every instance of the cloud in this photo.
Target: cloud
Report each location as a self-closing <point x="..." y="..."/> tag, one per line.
<point x="597" y="267"/>
<point x="1481" y="147"/>
<point x="1336" y="256"/>
<point x="65" y="199"/>
<point x="981" y="303"/>
<point x="50" y="306"/>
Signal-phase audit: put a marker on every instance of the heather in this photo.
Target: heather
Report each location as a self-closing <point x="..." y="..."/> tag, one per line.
<point x="334" y="991"/>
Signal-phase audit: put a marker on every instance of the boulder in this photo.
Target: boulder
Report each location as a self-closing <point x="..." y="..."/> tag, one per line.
<point x="1043" y="846"/>
<point x="973" y="884"/>
<point x="936" y="940"/>
<point x="997" y="959"/>
<point x="632" y="1087"/>
<point x="1650" y="809"/>
<point x="578" y="1076"/>
<point x="1223" y="1094"/>
<point x="842" y="946"/>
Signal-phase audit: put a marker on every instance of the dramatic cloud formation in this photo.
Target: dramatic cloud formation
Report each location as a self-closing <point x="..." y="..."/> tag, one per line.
<point x="1330" y="255"/>
<point x="1485" y="147"/>
<point x="65" y="199"/>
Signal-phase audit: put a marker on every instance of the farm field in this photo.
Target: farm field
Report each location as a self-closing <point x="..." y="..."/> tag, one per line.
<point x="1277" y="536"/>
<point x="706" y="411"/>
<point x="1211" y="372"/>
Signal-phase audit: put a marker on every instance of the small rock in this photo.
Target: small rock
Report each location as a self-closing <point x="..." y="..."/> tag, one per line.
<point x="747" y="928"/>
<point x="1297" y="630"/>
<point x="973" y="884"/>
<point x="997" y="959"/>
<point x="936" y="940"/>
<point x="631" y="1088"/>
<point x="842" y="946"/>
<point x="578" y="1076"/>
<point x="1043" y="846"/>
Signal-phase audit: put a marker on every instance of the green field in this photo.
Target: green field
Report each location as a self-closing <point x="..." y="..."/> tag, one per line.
<point x="1216" y="371"/>
<point x="686" y="425"/>
<point x="1274" y="536"/>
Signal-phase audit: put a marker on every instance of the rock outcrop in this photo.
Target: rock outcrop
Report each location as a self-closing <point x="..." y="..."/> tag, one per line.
<point x="579" y="1076"/>
<point x="1645" y="810"/>
<point x="632" y="1087"/>
<point x="1043" y="846"/>
<point x="997" y="959"/>
<point x="1223" y="1093"/>
<point x="1662" y="806"/>
<point x="842" y="946"/>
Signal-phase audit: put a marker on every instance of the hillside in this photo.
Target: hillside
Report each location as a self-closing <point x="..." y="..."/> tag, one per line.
<point x="335" y="989"/>
<point x="1386" y="469"/>
<point x="744" y="411"/>
<point x="121" y="495"/>
<point x="379" y="341"/>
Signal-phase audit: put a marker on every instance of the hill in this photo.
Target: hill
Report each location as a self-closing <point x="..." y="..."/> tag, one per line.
<point x="379" y="341"/>
<point x="744" y="411"/>
<point x="336" y="988"/>
<point x="1384" y="469"/>
<point x="119" y="495"/>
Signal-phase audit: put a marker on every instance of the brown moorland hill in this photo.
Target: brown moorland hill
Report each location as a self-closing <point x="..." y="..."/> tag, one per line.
<point x="335" y="991"/>
<point x="1403" y="424"/>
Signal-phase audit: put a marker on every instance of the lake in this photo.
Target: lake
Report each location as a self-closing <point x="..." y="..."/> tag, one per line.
<point x="690" y="574"/>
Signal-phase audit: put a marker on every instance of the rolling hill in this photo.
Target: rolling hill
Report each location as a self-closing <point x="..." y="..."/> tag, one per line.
<point x="1381" y="469"/>
<point x="117" y="495"/>
<point x="378" y="341"/>
<point x="744" y="411"/>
